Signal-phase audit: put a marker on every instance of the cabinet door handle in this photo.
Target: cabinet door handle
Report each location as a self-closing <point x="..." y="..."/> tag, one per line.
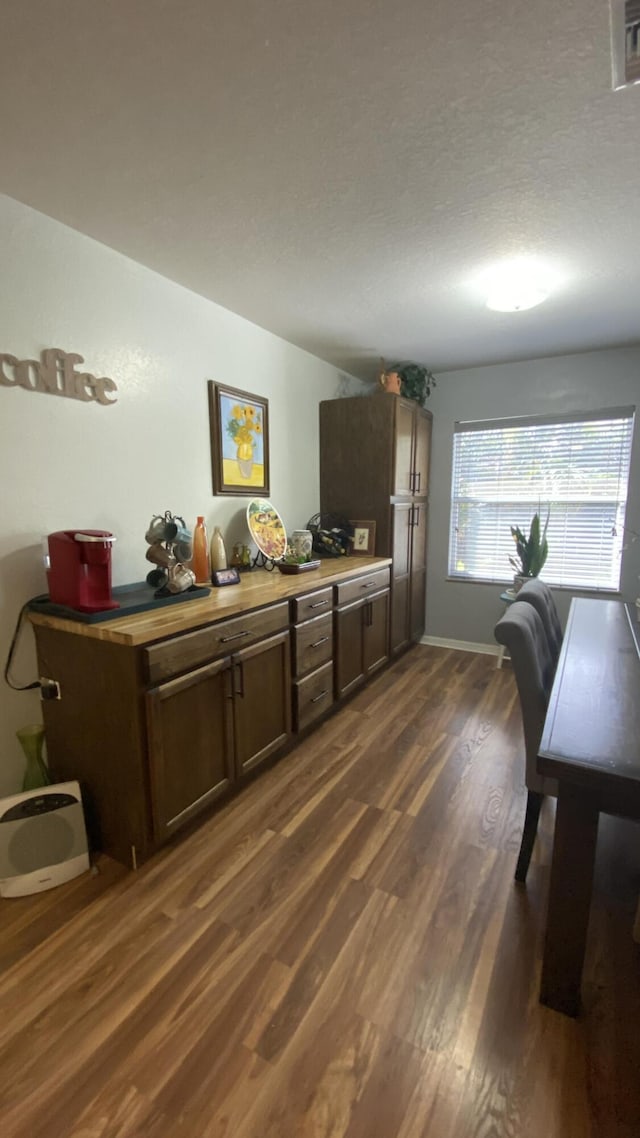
<point x="240" y="690"/>
<point x="418" y="480"/>
<point x="317" y="643"/>
<point x="229" y="681"/>
<point x="416" y="519"/>
<point x="318" y="604"/>
<point x="317" y="698"/>
<point x="236" y="636"/>
<point x="412" y="482"/>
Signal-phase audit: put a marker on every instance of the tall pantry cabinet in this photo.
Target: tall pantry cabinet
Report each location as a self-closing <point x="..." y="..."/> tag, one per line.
<point x="374" y="466"/>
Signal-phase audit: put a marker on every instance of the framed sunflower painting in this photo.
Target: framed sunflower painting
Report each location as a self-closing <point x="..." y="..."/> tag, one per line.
<point x="239" y="426"/>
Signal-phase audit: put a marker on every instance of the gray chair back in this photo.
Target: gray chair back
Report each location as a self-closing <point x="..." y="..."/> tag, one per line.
<point x="536" y="593"/>
<point x="523" y="634"/>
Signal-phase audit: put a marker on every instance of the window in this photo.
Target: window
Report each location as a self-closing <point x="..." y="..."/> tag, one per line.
<point x="577" y="466"/>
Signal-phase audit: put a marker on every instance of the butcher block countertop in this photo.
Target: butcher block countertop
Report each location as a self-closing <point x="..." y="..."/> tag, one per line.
<point x="256" y="589"/>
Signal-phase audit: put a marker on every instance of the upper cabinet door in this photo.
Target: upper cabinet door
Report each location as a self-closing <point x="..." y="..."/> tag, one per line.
<point x="403" y="477"/>
<point x="422" y="452"/>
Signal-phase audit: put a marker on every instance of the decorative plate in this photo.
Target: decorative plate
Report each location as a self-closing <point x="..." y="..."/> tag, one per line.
<point x="266" y="528"/>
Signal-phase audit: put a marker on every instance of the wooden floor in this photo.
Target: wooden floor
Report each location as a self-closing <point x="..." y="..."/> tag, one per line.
<point x="341" y="952"/>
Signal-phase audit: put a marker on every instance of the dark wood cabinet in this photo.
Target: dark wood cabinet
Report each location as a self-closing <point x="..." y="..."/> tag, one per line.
<point x="313" y="644"/>
<point x="212" y="725"/>
<point x="403" y="447"/>
<point x="375" y="639"/>
<point x="261" y="701"/>
<point x="402" y="553"/>
<point x="361" y="632"/>
<point x="160" y="715"/>
<point x="191" y="760"/>
<point x="349" y="664"/>
<point x="374" y="465"/>
<point x="418" y="570"/>
<point x="209" y="727"/>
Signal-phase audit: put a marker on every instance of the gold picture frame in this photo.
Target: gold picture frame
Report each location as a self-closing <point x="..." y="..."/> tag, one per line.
<point x="364" y="539"/>
<point x="239" y="430"/>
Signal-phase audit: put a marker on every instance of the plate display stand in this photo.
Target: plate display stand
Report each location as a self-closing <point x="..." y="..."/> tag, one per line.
<point x="261" y="561"/>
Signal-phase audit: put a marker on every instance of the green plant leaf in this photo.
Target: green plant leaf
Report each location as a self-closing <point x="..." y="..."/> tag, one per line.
<point x="532" y="551"/>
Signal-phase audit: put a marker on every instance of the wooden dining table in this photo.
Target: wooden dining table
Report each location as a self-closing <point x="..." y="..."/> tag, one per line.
<point x="591" y="745"/>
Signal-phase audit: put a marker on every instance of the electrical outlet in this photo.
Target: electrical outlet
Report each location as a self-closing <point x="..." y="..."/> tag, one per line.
<point x="49" y="689"/>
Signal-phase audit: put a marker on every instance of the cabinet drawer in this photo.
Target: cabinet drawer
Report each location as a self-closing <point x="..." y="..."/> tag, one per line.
<point x="313" y="696"/>
<point x="311" y="604"/>
<point x="312" y="644"/>
<point x="183" y="652"/>
<point x="361" y="586"/>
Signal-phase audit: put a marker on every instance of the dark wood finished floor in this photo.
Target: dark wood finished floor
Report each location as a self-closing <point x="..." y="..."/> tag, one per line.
<point x="340" y="952"/>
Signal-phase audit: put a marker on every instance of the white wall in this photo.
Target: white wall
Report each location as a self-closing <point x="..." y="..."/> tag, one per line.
<point x="460" y="610"/>
<point x="64" y="463"/>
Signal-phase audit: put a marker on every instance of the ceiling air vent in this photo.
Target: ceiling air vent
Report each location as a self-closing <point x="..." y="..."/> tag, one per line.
<point x="625" y="42"/>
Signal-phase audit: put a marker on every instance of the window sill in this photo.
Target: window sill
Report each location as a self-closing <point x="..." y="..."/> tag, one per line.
<point x="506" y="582"/>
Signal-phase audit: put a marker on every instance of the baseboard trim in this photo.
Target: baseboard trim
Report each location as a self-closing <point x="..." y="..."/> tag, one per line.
<point x="461" y="645"/>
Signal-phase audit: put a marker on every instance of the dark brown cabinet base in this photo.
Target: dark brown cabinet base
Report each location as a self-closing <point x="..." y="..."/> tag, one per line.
<point x="157" y="729"/>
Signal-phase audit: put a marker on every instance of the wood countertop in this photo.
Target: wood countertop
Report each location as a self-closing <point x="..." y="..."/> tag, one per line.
<point x="256" y="589"/>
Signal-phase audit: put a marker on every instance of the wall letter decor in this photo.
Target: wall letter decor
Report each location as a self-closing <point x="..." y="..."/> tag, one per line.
<point x="55" y="374"/>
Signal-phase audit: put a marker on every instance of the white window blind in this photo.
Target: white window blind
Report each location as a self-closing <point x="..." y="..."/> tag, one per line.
<point x="504" y="471"/>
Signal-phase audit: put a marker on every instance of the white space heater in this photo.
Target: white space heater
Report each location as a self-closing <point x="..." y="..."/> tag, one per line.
<point x="43" y="840"/>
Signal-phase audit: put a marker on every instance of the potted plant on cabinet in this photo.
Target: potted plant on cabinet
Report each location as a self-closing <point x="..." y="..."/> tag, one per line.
<point x="416" y="381"/>
<point x="531" y="551"/>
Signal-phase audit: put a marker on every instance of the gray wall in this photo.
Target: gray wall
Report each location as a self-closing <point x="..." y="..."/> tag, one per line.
<point x="460" y="610"/>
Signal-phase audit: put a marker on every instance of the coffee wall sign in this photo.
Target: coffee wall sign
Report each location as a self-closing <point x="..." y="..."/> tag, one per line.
<point x="55" y="374"/>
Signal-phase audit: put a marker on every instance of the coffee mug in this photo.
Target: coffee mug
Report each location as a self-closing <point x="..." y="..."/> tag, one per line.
<point x="182" y="534"/>
<point x="158" y="555"/>
<point x="183" y="549"/>
<point x="180" y="578"/>
<point x="161" y="529"/>
<point x="157" y="578"/>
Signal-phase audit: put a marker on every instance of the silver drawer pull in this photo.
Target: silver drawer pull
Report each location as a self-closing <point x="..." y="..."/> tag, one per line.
<point x="317" y="643"/>
<point x="318" y="604"/>
<point x="321" y="696"/>
<point x="368" y="585"/>
<point x="236" y="636"/>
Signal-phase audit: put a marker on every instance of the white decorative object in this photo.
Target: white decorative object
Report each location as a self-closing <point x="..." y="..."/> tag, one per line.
<point x="301" y="542"/>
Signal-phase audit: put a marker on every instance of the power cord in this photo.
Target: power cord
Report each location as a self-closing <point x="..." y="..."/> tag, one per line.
<point x="12" y="647"/>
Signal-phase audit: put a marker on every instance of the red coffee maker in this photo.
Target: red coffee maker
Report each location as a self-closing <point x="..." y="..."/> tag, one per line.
<point x="80" y="569"/>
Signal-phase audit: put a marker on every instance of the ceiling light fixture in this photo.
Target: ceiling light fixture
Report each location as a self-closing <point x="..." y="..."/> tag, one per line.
<point x="517" y="285"/>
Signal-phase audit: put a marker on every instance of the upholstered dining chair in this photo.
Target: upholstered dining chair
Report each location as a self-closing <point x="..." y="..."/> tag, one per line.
<point x="523" y="634"/>
<point x="536" y="593"/>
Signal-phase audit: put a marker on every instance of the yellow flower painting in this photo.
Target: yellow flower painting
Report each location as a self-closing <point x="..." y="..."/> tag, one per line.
<point x="239" y="441"/>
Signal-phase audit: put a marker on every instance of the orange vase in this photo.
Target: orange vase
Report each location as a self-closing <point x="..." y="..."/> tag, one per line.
<point x="200" y="560"/>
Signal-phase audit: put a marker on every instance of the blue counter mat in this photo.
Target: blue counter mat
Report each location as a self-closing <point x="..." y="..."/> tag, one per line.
<point x="131" y="599"/>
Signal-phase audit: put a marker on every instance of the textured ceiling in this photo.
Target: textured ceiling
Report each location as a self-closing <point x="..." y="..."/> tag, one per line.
<point x="340" y="173"/>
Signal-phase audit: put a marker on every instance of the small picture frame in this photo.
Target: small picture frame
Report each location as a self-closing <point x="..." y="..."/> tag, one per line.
<point x="225" y="577"/>
<point x="239" y="431"/>
<point x="364" y="538"/>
